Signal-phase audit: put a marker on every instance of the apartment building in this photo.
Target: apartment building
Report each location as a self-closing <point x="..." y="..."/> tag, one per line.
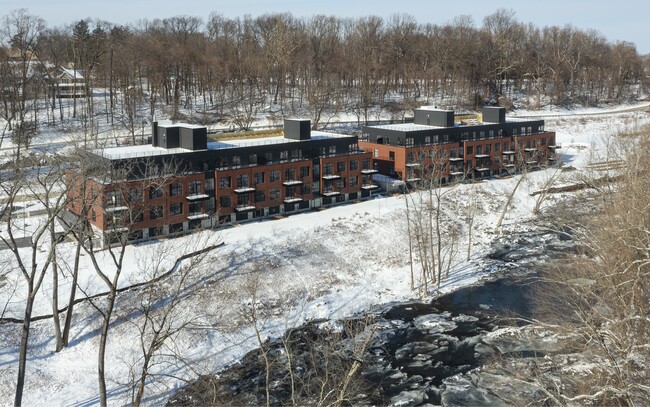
<point x="458" y="147"/>
<point x="182" y="181"/>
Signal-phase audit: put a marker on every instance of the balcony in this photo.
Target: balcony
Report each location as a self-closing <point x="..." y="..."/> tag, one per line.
<point x="244" y="208"/>
<point x="456" y="159"/>
<point x="244" y="190"/>
<point x="115" y="208"/>
<point x="554" y="147"/>
<point x="413" y="164"/>
<point x="195" y="216"/>
<point x="292" y="199"/>
<point x="331" y="193"/>
<point x="482" y="169"/>
<point x="331" y="176"/>
<point x="456" y="173"/>
<point x="508" y="153"/>
<point x="369" y="186"/>
<point x="291" y="182"/>
<point x="414" y="179"/>
<point x="366" y="172"/>
<point x="479" y="156"/>
<point x="197" y="197"/>
<point x="530" y="150"/>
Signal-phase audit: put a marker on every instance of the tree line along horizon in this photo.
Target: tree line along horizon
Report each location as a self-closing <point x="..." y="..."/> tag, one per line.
<point x="235" y="68"/>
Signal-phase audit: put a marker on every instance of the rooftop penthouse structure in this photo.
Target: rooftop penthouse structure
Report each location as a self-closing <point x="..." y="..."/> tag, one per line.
<point x="467" y="146"/>
<point x="182" y="181"/>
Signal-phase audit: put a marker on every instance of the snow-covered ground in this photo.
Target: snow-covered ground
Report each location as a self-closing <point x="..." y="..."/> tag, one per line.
<point x="319" y="264"/>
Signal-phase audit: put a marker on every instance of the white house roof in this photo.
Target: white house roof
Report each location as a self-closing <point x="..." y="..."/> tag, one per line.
<point x="72" y="73"/>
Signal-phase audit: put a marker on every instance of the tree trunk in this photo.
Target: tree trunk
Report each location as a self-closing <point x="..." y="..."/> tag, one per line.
<point x="103" y="338"/>
<point x="73" y="293"/>
<point x="24" y="339"/>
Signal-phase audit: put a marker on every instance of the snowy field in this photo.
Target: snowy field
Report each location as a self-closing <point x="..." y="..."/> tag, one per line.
<point x="319" y="264"/>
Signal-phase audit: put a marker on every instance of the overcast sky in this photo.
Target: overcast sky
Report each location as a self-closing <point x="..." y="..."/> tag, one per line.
<point x="623" y="20"/>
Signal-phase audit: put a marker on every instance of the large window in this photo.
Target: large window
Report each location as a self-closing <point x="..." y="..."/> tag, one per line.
<point x="224" y="182"/>
<point x="284" y="155"/>
<point x="274" y="176"/>
<point x="259" y="196"/>
<point x="304" y="172"/>
<point x="225" y="202"/>
<point x="354" y="165"/>
<point x="332" y="150"/>
<point x="258" y="178"/>
<point x="209" y="184"/>
<point x="274" y="193"/>
<point x="354" y="180"/>
<point x="290" y="174"/>
<point x="155" y="193"/>
<point x="176" y="189"/>
<point x="242" y="181"/>
<point x="365" y="164"/>
<point x="194" y="187"/>
<point x="175" y="208"/>
<point x="340" y="166"/>
<point x="135" y="195"/>
<point x="327" y="169"/>
<point x="156" y="212"/>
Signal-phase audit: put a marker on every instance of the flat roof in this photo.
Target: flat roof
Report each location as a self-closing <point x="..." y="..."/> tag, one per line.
<point x="169" y="123"/>
<point x="148" y="150"/>
<point x="406" y="127"/>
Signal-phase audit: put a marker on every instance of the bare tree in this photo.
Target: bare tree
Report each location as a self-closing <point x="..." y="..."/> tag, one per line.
<point x="34" y="252"/>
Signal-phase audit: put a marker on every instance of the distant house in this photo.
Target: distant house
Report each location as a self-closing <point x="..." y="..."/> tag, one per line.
<point x="70" y="83"/>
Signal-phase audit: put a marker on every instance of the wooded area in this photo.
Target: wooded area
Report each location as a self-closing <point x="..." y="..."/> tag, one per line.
<point x="236" y="68"/>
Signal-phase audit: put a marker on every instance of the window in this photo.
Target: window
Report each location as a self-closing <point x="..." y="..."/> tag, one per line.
<point x="135" y="195"/>
<point x="156" y="212"/>
<point x="259" y="196"/>
<point x="497" y="146"/>
<point x="252" y="159"/>
<point x="195" y="208"/>
<point x="268" y="157"/>
<point x="274" y="176"/>
<point x="479" y="150"/>
<point x="340" y="183"/>
<point x="491" y="133"/>
<point x="305" y="189"/>
<point x="138" y="217"/>
<point x="242" y="181"/>
<point x="176" y="189"/>
<point x="258" y="178"/>
<point x="236" y="160"/>
<point x="274" y="194"/>
<point x="409" y="142"/>
<point x="297" y="153"/>
<point x="112" y="198"/>
<point x="376" y="154"/>
<point x="354" y="165"/>
<point x="209" y="184"/>
<point x="391" y="155"/>
<point x="327" y="169"/>
<point x="365" y="164"/>
<point x="284" y="155"/>
<point x="340" y="166"/>
<point x="488" y="148"/>
<point x="332" y="150"/>
<point x="290" y="174"/>
<point x="445" y="138"/>
<point x="175" y="208"/>
<point x="543" y="141"/>
<point x="470" y="150"/>
<point x="315" y="186"/>
<point x="427" y="140"/>
<point x="316" y="171"/>
<point x="155" y="193"/>
<point x="209" y="205"/>
<point x="482" y="134"/>
<point x="224" y="182"/>
<point x="452" y="153"/>
<point x="436" y="139"/>
<point x="410" y="157"/>
<point x="225" y="202"/>
<point x="304" y="172"/>
<point x="353" y="147"/>
<point x="354" y="180"/>
<point x="93" y="215"/>
<point x="194" y="187"/>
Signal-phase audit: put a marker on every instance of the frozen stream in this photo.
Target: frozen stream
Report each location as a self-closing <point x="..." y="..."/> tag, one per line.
<point x="418" y="350"/>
